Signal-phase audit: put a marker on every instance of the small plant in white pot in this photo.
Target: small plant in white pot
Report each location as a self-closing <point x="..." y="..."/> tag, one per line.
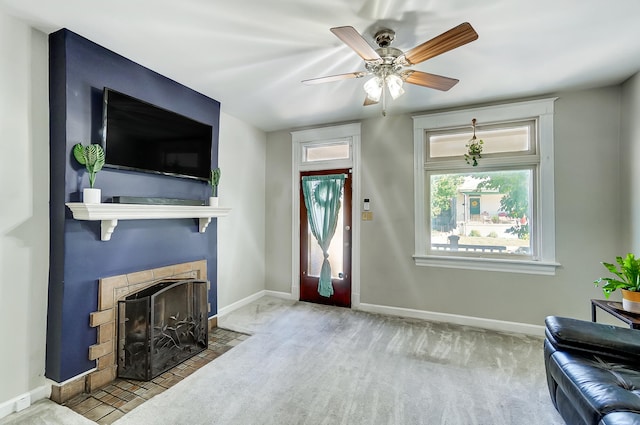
<point x="627" y="279"/>
<point x="214" y="180"/>
<point x="92" y="157"/>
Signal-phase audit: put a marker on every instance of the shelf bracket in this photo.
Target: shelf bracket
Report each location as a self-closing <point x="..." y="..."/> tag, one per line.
<point x="204" y="222"/>
<point x="107" y="227"/>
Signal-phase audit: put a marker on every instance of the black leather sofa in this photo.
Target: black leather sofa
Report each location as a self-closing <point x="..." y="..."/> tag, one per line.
<point x="593" y="371"/>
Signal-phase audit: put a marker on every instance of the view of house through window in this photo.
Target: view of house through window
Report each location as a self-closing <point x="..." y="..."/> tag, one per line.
<point x="481" y="212"/>
<point x="496" y="214"/>
<point x="484" y="210"/>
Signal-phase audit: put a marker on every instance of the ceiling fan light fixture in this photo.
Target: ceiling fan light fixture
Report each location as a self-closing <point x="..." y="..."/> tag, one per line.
<point x="387" y="64"/>
<point x="373" y="88"/>
<point x="394" y="83"/>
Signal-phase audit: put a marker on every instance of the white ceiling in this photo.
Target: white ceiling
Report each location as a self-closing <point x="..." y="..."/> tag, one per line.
<point x="251" y="55"/>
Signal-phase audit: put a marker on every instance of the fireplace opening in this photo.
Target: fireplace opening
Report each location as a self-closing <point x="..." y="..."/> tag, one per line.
<point x="160" y="327"/>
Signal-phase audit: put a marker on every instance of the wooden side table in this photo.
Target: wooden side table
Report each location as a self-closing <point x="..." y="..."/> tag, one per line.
<point x="615" y="309"/>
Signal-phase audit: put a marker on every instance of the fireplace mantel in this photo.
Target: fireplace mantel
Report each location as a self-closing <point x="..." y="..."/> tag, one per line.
<point x="109" y="214"/>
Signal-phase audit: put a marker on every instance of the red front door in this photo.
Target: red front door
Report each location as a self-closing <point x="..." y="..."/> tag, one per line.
<point x="339" y="251"/>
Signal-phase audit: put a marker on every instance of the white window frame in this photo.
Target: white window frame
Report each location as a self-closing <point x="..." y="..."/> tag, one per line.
<point x="541" y="110"/>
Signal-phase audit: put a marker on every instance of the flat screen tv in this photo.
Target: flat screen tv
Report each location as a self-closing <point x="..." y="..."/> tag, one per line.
<point x="143" y="137"/>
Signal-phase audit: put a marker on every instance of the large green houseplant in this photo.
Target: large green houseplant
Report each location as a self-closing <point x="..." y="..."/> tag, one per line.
<point x="93" y="158"/>
<point x="626" y="278"/>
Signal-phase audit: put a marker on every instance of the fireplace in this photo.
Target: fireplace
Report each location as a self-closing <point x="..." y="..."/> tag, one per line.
<point x="111" y="290"/>
<point x="160" y="327"/>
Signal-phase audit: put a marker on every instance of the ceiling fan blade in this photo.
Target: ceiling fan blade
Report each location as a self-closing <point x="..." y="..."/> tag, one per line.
<point x="353" y="39"/>
<point x="338" y="77"/>
<point x="432" y="81"/>
<point x="455" y="37"/>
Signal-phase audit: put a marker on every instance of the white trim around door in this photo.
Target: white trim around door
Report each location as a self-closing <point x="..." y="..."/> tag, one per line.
<point x="322" y="136"/>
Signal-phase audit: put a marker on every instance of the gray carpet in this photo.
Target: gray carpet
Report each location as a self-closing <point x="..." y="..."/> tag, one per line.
<point x="46" y="412"/>
<point x="311" y="364"/>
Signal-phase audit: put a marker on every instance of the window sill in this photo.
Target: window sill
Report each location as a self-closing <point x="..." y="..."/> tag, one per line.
<point x="488" y="264"/>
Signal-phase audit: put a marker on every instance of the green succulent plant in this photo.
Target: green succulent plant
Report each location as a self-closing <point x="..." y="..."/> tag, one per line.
<point x="92" y="157"/>
<point x="627" y="275"/>
<point x="214" y="179"/>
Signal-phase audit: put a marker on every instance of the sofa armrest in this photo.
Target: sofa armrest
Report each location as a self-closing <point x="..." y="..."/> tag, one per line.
<point x="621" y="418"/>
<point x="593" y="338"/>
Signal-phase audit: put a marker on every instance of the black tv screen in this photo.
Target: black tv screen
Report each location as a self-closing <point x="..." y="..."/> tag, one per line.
<point x="144" y="137"/>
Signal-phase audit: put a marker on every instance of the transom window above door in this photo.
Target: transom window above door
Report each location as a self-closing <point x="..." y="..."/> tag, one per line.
<point x="326" y="151"/>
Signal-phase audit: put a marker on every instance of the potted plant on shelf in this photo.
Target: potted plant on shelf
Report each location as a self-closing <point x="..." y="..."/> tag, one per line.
<point x="627" y="279"/>
<point x="92" y="157"/>
<point x="214" y="179"/>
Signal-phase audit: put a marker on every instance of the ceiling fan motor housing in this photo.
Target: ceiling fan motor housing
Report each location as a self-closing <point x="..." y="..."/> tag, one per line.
<point x="388" y="62"/>
<point x="384" y="37"/>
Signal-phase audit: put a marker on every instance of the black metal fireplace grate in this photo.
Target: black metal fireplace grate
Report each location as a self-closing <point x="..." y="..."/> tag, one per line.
<point x="160" y="327"/>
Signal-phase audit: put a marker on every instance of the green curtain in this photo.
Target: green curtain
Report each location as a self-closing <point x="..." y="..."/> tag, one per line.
<point x="322" y="198"/>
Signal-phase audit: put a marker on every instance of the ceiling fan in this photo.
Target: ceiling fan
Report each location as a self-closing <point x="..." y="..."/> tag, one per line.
<point x="390" y="66"/>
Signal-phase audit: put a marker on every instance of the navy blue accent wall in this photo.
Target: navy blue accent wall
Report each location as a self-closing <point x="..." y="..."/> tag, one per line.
<point x="79" y="70"/>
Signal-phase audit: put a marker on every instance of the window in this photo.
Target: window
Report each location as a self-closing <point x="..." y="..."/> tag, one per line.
<point x="312" y="152"/>
<point x="495" y="216"/>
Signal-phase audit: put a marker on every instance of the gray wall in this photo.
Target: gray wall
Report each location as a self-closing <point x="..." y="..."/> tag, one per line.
<point x="278" y="232"/>
<point x="588" y="221"/>
<point x="630" y="161"/>
<point x="241" y="255"/>
<point x="24" y="209"/>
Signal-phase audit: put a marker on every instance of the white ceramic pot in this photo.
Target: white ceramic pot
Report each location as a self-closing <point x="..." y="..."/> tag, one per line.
<point x="631" y="301"/>
<point x="213" y="201"/>
<point x="91" y="196"/>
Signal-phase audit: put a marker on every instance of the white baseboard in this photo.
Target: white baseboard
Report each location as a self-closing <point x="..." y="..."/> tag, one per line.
<point x="251" y="298"/>
<point x="478" y="322"/>
<point x="25" y="400"/>
<point x="278" y="294"/>
<point x="239" y="304"/>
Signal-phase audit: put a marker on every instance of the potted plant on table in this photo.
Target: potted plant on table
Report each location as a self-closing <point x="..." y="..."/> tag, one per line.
<point x="214" y="179"/>
<point x="92" y="157"/>
<point x="627" y="279"/>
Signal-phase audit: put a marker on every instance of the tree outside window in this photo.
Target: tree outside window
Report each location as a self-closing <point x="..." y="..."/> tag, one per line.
<point x="484" y="212"/>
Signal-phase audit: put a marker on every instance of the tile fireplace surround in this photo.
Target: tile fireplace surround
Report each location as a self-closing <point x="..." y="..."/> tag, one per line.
<point x="110" y="291"/>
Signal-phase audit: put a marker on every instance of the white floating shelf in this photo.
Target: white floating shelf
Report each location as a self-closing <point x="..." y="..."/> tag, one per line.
<point x="109" y="214"/>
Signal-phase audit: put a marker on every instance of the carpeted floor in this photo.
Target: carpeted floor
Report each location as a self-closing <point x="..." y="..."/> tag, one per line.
<point x="312" y="364"/>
